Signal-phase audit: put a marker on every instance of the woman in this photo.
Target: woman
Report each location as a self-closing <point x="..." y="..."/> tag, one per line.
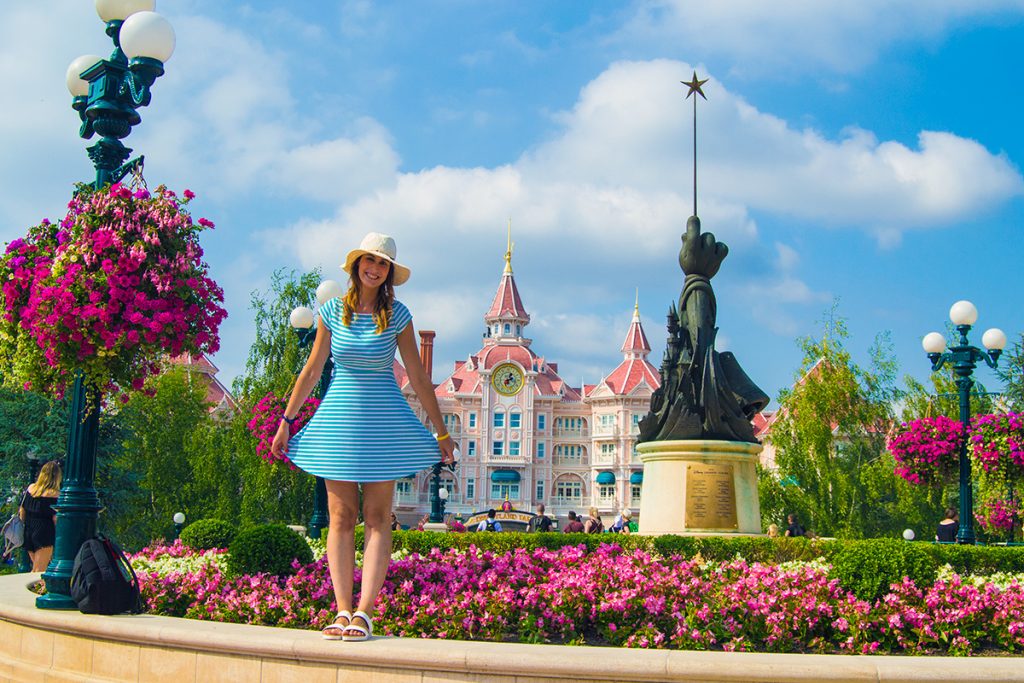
<point x="364" y="432"/>
<point x="593" y="525"/>
<point x="40" y="519"/>
<point x="947" y="530"/>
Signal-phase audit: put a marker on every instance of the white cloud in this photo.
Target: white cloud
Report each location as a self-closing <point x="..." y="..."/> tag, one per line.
<point x="787" y="37"/>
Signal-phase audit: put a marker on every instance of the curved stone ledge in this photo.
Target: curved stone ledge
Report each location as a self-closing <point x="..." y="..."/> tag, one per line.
<point x="38" y="645"/>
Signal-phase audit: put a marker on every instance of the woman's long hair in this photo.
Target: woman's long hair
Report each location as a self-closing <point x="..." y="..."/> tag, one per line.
<point x="49" y="479"/>
<point x="385" y="298"/>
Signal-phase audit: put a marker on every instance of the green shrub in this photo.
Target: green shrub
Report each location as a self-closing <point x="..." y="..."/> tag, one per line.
<point x="204" y="534"/>
<point x="868" y="567"/>
<point x="267" y="548"/>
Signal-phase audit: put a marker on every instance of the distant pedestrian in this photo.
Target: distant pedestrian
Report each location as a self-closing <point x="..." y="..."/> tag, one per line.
<point x="395" y="524"/>
<point x="794" y="529"/>
<point x="490" y="523"/>
<point x="575" y="526"/>
<point x="593" y="524"/>
<point x="773" y="531"/>
<point x="40" y="519"/>
<point x="948" y="528"/>
<point x="541" y="522"/>
<point x="622" y="522"/>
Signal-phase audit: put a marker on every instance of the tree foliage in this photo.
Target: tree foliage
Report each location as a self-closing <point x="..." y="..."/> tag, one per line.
<point x="1011" y="372"/>
<point x="830" y="436"/>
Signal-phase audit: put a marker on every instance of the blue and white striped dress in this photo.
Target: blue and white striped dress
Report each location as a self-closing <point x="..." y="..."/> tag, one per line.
<point x="364" y="430"/>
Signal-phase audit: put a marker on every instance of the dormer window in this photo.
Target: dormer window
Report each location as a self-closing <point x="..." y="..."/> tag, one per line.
<point x="519" y="331"/>
<point x="508" y="328"/>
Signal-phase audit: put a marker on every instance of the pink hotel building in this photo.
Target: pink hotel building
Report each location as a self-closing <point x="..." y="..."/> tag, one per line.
<point x="525" y="434"/>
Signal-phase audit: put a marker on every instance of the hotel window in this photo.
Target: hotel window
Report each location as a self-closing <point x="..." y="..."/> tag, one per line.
<point x="607" y="421"/>
<point x="472" y="420"/>
<point x="513" y="448"/>
<point x="608" y="449"/>
<point x="508" y="328"/>
<point x="540" y="490"/>
<point x="499" y="447"/>
<point x="636" y="420"/>
<point x="403" y="487"/>
<point x="470" y="489"/>
<point x="568" y="489"/>
<point x="519" y="331"/>
<point x="471" y="447"/>
<point x="515" y="420"/>
<point x="541" y="420"/>
<point x="540" y="450"/>
<point x="501" y="491"/>
<point x="499" y="420"/>
<point x="634" y="493"/>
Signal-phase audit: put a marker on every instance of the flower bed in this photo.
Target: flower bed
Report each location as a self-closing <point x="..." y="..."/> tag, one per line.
<point x="611" y="597"/>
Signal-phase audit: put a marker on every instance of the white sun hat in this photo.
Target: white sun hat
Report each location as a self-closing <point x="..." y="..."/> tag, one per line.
<point x="382" y="246"/>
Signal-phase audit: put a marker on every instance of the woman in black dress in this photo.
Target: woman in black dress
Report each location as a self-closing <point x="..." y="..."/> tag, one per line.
<point x="40" y="519"/>
<point x="947" y="529"/>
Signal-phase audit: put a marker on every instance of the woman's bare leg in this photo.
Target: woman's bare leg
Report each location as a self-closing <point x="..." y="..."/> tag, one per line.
<point x="41" y="558"/>
<point x="377" y="500"/>
<point x="343" y="505"/>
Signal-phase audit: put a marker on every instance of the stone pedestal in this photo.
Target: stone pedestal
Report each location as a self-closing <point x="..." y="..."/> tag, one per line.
<point x="699" y="488"/>
<point x="436" y="526"/>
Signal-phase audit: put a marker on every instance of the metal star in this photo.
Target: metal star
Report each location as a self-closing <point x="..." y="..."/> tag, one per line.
<point x="694" y="86"/>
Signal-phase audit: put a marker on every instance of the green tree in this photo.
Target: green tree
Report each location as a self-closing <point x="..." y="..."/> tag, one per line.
<point x="31" y="424"/>
<point x="832" y="425"/>
<point x="275" y="358"/>
<point x="1011" y="372"/>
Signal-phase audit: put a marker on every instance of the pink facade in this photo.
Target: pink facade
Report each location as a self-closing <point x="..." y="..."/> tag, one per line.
<point x="524" y="433"/>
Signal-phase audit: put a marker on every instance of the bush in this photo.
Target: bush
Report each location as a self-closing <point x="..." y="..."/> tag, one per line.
<point x="204" y="534"/>
<point x="867" y="568"/>
<point x="267" y="548"/>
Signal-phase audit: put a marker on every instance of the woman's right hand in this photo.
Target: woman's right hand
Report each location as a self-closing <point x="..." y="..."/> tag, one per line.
<point x="280" y="444"/>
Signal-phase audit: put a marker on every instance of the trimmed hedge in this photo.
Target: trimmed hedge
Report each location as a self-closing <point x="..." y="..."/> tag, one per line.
<point x="204" y="534"/>
<point x="867" y="568"/>
<point x="267" y="548"/>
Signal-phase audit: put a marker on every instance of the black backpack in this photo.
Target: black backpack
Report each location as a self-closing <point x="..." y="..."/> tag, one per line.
<point x="103" y="581"/>
<point x="490" y="526"/>
<point x="544" y="523"/>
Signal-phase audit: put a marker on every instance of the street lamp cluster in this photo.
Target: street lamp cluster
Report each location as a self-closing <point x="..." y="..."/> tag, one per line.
<point x="964" y="358"/>
<point x="106" y="94"/>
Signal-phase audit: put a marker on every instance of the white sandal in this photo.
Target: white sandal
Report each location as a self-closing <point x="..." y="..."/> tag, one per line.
<point x="328" y="632"/>
<point x="362" y="633"/>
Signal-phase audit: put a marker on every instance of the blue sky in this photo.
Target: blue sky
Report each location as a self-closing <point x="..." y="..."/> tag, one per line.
<point x="865" y="152"/>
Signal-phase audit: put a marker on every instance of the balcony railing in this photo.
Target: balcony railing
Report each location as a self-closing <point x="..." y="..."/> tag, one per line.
<point x="567" y="501"/>
<point x="600" y="431"/>
<point x="570" y="461"/>
<point x="604" y="458"/>
<point x="407" y="499"/>
<point x="520" y="459"/>
<point x="606" y="501"/>
<point x="572" y="433"/>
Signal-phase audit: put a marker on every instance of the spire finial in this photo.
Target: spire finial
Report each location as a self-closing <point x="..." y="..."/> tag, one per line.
<point x="694" y="86"/>
<point x="508" y="251"/>
<point x="636" y="306"/>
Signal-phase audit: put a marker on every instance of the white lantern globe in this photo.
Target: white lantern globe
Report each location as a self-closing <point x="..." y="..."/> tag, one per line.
<point x="113" y="10"/>
<point x="301" y="318"/>
<point x="147" y="34"/>
<point x="442" y="493"/>
<point x="933" y="342"/>
<point x="908" y="535"/>
<point x="328" y="289"/>
<point x="994" y="339"/>
<point x="78" y="86"/>
<point x="963" y="313"/>
<point x="179" y="517"/>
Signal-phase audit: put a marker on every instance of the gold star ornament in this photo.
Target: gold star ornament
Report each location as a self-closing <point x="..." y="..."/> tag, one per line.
<point x="694" y="86"/>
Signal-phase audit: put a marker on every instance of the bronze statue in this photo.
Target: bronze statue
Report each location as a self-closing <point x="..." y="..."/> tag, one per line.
<point x="704" y="394"/>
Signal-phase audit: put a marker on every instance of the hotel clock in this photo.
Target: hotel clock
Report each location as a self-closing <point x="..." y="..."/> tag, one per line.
<point x="507" y="379"/>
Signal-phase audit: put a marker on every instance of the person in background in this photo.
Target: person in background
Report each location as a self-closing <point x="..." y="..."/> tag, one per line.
<point x="622" y="522"/>
<point x="541" y="522"/>
<point x="794" y="528"/>
<point x="40" y="519"/>
<point x="395" y="524"/>
<point x="593" y="523"/>
<point x="948" y="528"/>
<point x="489" y="524"/>
<point x="575" y="526"/>
<point x="773" y="531"/>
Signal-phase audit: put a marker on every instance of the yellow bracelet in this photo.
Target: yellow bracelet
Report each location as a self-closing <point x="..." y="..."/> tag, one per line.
<point x="442" y="438"/>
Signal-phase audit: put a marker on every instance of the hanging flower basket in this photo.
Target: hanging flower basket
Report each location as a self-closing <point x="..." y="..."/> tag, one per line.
<point x="267" y="414"/>
<point x="927" y="451"/>
<point x="117" y="285"/>
<point x="997" y="448"/>
<point x="997" y="515"/>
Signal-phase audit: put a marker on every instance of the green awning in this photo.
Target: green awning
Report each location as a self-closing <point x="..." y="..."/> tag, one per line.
<point x="605" y="477"/>
<point x="505" y="476"/>
<point x="636" y="478"/>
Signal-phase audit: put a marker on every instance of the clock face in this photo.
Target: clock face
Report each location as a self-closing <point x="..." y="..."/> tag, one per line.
<point x="507" y="379"/>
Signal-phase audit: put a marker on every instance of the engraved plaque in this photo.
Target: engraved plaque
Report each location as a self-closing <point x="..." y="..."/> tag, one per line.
<point x="710" y="497"/>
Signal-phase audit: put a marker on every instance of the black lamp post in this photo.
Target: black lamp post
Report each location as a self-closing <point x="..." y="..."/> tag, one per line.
<point x="964" y="358"/>
<point x="302" y="321"/>
<point x="106" y="94"/>
<point x="438" y="495"/>
<point x="179" y="523"/>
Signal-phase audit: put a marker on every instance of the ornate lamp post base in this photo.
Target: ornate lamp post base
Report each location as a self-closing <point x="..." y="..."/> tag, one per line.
<point x="78" y="505"/>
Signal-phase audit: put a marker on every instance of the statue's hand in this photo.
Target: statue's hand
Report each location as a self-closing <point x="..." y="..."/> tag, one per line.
<point x="701" y="253"/>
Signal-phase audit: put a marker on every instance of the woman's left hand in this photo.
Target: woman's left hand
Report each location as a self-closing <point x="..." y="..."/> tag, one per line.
<point x="447" y="447"/>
